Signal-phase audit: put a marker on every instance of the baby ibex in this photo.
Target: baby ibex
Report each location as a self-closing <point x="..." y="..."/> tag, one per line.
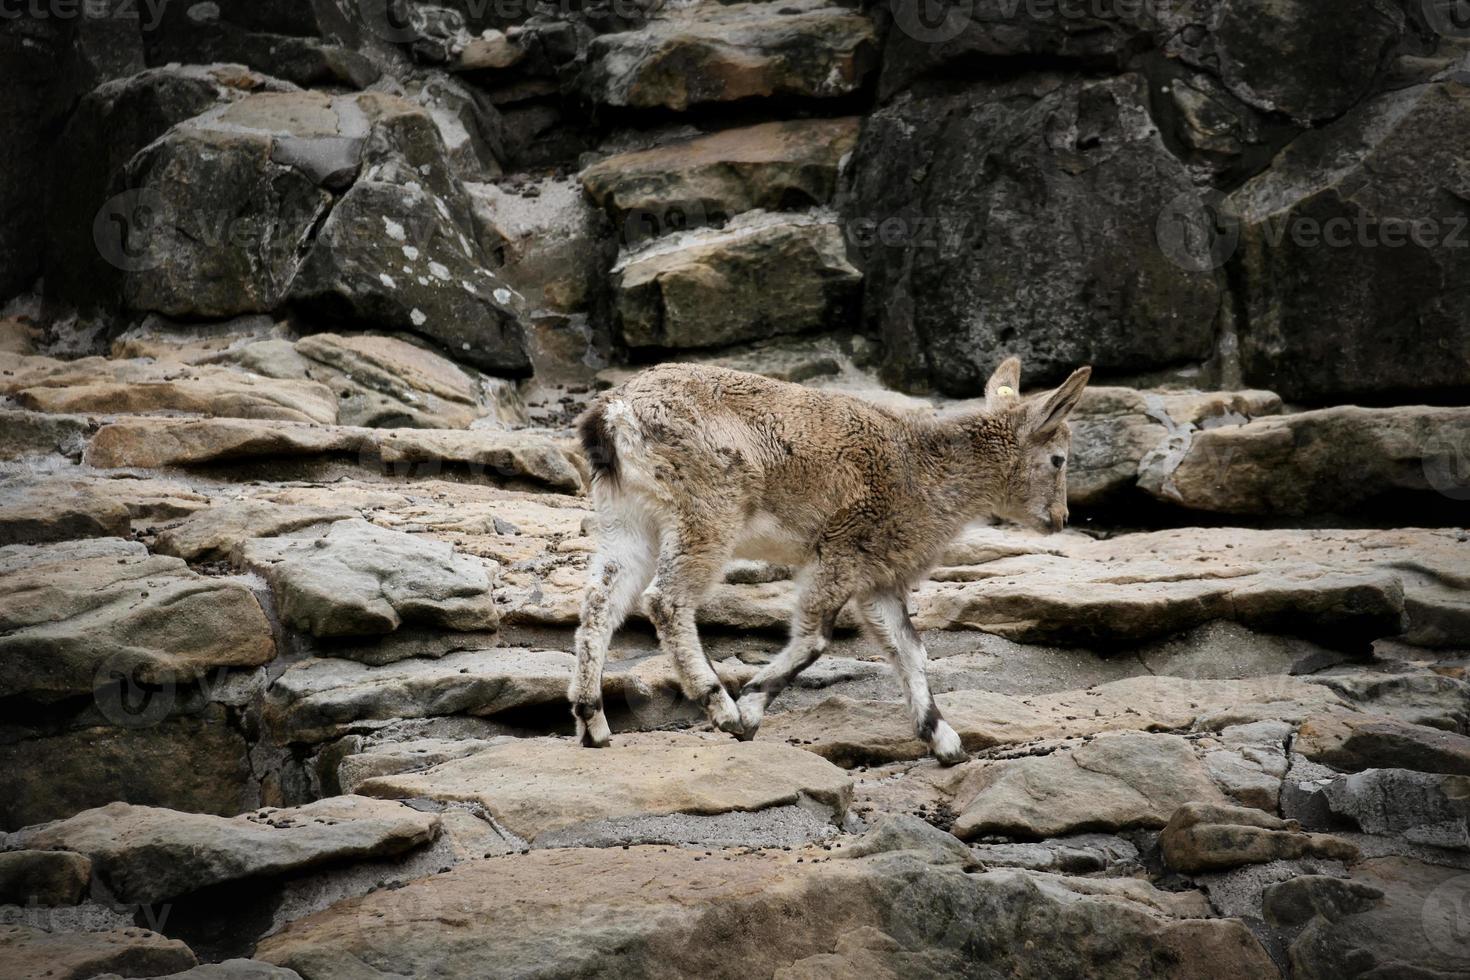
<point x="695" y="465"/>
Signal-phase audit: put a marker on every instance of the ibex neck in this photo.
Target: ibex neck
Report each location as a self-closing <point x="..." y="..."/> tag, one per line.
<point x="974" y="454"/>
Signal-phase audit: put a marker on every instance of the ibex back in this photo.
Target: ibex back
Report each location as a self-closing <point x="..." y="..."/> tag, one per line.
<point x="696" y="465"/>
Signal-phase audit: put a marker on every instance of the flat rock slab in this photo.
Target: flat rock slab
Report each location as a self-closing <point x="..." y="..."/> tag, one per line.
<point x="357" y="579"/>
<point x="83" y="614"/>
<point x="1293" y="464"/>
<point x="67" y="505"/>
<point x="147" y="854"/>
<point x="535" y="786"/>
<point x="321" y="699"/>
<point x="720" y="175"/>
<point x="851" y="732"/>
<point x="1115" y="782"/>
<point x="151" y="443"/>
<point x="41" y="511"/>
<point x="214" y="533"/>
<point x="712" y="52"/>
<point x="652" y="912"/>
<point x="125" y="386"/>
<point x="27" y="953"/>
<point x="1338" y="588"/>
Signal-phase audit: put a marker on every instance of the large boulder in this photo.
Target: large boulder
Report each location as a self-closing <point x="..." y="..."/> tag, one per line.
<point x="1360" y="225"/>
<point x="552" y="245"/>
<point x="1415" y="926"/>
<point x="1019" y="218"/>
<point x="76" y="615"/>
<point x="761" y="275"/>
<point x="1419" y="807"/>
<point x="715" y="52"/>
<point x="147" y="854"/>
<point x="291" y="41"/>
<point x="1115" y="431"/>
<point x="51" y="57"/>
<point x="43" y="877"/>
<point x="1296" y="58"/>
<point x="397" y="257"/>
<point x="97" y="232"/>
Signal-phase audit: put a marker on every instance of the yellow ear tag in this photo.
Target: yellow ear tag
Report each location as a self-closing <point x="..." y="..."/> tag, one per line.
<point x="1005" y="391"/>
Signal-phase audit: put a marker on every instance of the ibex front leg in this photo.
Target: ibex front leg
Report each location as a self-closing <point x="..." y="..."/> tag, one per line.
<point x="887" y="616"/>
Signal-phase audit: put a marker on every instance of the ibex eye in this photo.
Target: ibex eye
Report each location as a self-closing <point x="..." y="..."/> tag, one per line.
<point x="1057" y="461"/>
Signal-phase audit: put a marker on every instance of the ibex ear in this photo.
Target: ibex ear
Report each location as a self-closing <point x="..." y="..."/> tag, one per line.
<point x="1004" y="387"/>
<point x="1051" y="410"/>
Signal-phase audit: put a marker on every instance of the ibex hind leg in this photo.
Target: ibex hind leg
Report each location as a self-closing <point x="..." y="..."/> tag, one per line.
<point x="691" y="559"/>
<point x="811" y="632"/>
<point x="616" y="577"/>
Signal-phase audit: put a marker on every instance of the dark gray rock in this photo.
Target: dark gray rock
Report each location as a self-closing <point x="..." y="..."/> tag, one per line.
<point x="48" y="62"/>
<point x="1019" y="218"/>
<point x="1423" y="808"/>
<point x="288" y="40"/>
<point x="86" y="243"/>
<point x="1361" y="225"/>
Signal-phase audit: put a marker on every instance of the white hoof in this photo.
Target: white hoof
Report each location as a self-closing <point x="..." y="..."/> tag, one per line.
<point x="752" y="708"/>
<point x="594" y="734"/>
<point x="946" y="745"/>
